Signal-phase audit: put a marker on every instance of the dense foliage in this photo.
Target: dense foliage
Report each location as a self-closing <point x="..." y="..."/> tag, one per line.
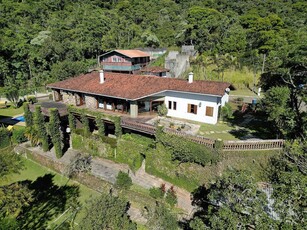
<point x="185" y="150"/>
<point x="107" y="212"/>
<point x="4" y="137"/>
<point x="40" y="127"/>
<point x="55" y="132"/>
<point x="123" y="180"/>
<point x="28" y="115"/>
<point x="45" y="41"/>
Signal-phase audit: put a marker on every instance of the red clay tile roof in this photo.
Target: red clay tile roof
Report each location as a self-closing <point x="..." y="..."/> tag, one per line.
<point x="154" y="69"/>
<point x="133" y="87"/>
<point x="133" y="53"/>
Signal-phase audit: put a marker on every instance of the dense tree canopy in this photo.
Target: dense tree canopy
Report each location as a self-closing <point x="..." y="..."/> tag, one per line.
<point x="44" y="41"/>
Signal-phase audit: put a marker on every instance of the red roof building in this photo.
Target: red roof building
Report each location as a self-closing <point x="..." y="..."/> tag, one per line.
<point x="135" y="94"/>
<point x="124" y="61"/>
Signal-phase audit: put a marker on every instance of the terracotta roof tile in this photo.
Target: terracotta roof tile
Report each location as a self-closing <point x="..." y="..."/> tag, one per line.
<point x="132" y="87"/>
<point x="133" y="53"/>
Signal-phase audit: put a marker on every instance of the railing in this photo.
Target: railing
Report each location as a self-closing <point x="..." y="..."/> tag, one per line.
<point x="253" y="145"/>
<point x="145" y="128"/>
<point x="197" y="139"/>
<point x="122" y="67"/>
<point x="227" y="145"/>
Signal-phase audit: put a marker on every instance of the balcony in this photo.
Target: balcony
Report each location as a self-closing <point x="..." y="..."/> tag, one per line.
<point x="122" y="67"/>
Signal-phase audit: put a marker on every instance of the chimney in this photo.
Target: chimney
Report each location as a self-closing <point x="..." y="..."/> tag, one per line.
<point x="190" y="77"/>
<point x="101" y="76"/>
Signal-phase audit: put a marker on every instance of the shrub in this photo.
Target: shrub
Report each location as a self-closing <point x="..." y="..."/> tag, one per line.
<point x="123" y="180"/>
<point x="4" y="137"/>
<point x="79" y="132"/>
<point x="171" y="197"/>
<point x="157" y="192"/>
<point x="226" y="112"/>
<point x="32" y="99"/>
<point x="19" y="136"/>
<point x="28" y="115"/>
<point x="55" y="132"/>
<point x="111" y="141"/>
<point x="162" y="110"/>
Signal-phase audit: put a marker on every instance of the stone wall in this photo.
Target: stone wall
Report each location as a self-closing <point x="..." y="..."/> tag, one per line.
<point x="90" y="102"/>
<point x="69" y="98"/>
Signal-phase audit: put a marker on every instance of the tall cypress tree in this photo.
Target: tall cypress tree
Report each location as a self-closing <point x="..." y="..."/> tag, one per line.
<point x="71" y="122"/>
<point x="86" y="126"/>
<point x="28" y="114"/>
<point x="100" y="125"/>
<point x="39" y="124"/>
<point x="55" y="132"/>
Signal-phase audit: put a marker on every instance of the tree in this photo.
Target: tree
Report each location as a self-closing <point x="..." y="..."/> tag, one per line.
<point x="85" y="123"/>
<point x="10" y="163"/>
<point x="100" y="125"/>
<point x="160" y="217"/>
<point x="40" y="127"/>
<point x="71" y="122"/>
<point x="55" y="133"/>
<point x="107" y="212"/>
<point x="288" y="175"/>
<point x="123" y="180"/>
<point x="12" y="94"/>
<point x="5" y="139"/>
<point x="233" y="201"/>
<point x="28" y="115"/>
<point x="276" y="107"/>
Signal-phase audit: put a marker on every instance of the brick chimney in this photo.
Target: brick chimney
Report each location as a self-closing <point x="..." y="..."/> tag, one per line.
<point x="101" y="76"/>
<point x="191" y="77"/>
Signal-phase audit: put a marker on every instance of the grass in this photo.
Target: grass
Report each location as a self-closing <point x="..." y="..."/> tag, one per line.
<point x="33" y="170"/>
<point x="214" y="131"/>
<point x="10" y="111"/>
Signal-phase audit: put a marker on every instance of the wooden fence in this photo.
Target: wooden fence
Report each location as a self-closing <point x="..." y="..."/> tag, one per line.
<point x="253" y="145"/>
<point x="227" y="145"/>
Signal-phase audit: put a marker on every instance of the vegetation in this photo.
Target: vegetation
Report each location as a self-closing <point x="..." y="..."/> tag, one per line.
<point x="71" y="122"/>
<point x="40" y="128"/>
<point x="18" y="135"/>
<point x="28" y="115"/>
<point x="55" y="132"/>
<point x="78" y="165"/>
<point x="4" y="137"/>
<point x="85" y="124"/>
<point x="100" y="125"/>
<point x="184" y="150"/>
<point x="123" y="180"/>
<point x="162" y="110"/>
<point x="107" y="212"/>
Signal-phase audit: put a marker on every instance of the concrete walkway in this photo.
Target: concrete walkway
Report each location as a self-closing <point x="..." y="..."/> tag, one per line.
<point x="108" y="170"/>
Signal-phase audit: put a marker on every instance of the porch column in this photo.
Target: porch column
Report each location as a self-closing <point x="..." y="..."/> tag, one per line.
<point x="133" y="109"/>
<point x="150" y="107"/>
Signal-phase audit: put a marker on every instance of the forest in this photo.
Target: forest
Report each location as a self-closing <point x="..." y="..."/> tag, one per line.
<point x="50" y="40"/>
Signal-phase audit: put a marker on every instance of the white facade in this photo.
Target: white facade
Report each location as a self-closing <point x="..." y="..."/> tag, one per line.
<point x="196" y="107"/>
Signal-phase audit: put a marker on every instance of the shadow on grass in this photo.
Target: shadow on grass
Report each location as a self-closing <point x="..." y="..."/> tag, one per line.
<point x="49" y="200"/>
<point x="251" y="125"/>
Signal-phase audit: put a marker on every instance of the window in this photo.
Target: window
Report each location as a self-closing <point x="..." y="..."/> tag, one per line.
<point x="209" y="111"/>
<point x="174" y="105"/>
<point x="192" y="108"/>
<point x="169" y="105"/>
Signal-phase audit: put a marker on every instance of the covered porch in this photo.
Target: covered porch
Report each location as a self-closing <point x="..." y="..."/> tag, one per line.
<point x="143" y="107"/>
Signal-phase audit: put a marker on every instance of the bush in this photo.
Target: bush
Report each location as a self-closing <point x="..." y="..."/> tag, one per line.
<point x="4" y="137"/>
<point x="123" y="180"/>
<point x="79" y="132"/>
<point x="226" y="112"/>
<point x="171" y="197"/>
<point x="19" y="136"/>
<point x="162" y="110"/>
<point x="111" y="141"/>
<point x="157" y="192"/>
<point x="32" y="99"/>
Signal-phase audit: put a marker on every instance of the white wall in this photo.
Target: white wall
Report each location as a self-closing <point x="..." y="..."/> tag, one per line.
<point x="183" y="99"/>
<point x="225" y="99"/>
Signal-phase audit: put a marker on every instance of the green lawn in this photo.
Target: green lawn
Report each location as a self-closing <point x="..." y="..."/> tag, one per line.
<point x="217" y="131"/>
<point x="33" y="170"/>
<point x="10" y="111"/>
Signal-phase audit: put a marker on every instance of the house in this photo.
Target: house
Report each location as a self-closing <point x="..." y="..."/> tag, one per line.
<point x="124" y="61"/>
<point x="140" y="95"/>
<point x="154" y="71"/>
